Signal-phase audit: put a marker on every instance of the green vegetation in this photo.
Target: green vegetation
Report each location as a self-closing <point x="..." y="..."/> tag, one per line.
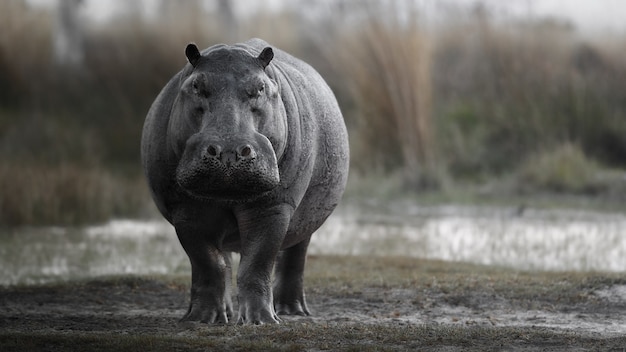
<point x="466" y="102"/>
<point x="565" y="169"/>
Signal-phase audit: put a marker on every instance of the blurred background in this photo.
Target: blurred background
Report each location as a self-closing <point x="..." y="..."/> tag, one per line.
<point x="442" y="99"/>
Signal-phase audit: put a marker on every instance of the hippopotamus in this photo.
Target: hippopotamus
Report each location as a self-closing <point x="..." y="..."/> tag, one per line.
<point x="245" y="150"/>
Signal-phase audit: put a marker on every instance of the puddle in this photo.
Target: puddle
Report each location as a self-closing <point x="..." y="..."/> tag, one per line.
<point x="528" y="240"/>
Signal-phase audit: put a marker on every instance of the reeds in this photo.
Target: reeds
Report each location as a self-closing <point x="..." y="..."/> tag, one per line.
<point x="505" y="92"/>
<point x="386" y="64"/>
<point x="66" y="194"/>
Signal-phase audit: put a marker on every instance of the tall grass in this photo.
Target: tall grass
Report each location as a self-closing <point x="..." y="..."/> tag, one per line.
<point x="507" y="92"/>
<point x="25" y="39"/>
<point x="66" y="194"/>
<point x="385" y="62"/>
<point x="472" y="98"/>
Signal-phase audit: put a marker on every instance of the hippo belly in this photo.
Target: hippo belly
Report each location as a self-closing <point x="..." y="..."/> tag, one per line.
<point x="245" y="149"/>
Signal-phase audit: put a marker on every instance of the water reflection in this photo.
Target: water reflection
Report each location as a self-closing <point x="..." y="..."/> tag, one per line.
<point x="534" y="240"/>
<point x="40" y="255"/>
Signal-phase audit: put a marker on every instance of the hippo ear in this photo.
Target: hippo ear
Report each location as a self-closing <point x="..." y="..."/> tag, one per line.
<point x="193" y="54"/>
<point x="266" y="56"/>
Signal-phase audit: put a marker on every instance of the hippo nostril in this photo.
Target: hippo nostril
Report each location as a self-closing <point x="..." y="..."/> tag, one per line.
<point x="213" y="151"/>
<point x="245" y="151"/>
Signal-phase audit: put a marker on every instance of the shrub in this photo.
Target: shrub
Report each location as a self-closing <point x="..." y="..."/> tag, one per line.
<point x="563" y="169"/>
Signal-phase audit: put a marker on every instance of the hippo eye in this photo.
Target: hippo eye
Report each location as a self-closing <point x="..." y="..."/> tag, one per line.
<point x="257" y="91"/>
<point x="198" y="88"/>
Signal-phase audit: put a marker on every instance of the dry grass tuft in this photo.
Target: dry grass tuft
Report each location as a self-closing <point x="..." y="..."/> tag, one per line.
<point x="66" y="195"/>
<point x="387" y="61"/>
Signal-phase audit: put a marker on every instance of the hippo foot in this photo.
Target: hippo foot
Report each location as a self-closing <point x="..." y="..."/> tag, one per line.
<point x="257" y="313"/>
<point x="206" y="313"/>
<point x="289" y="298"/>
<point x="292" y="308"/>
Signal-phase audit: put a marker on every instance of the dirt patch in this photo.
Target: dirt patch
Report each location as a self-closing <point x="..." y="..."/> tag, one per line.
<point x="440" y="307"/>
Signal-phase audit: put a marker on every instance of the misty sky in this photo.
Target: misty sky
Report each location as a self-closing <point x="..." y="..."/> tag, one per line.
<point x="587" y="15"/>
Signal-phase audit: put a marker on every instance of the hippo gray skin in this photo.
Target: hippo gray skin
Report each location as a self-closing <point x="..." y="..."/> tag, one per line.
<point x="245" y="150"/>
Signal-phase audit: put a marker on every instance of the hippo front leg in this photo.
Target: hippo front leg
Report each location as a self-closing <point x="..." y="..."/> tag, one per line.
<point x="288" y="283"/>
<point x="262" y="234"/>
<point x="210" y="289"/>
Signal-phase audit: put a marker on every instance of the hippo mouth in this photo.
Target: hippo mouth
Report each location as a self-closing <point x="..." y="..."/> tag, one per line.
<point x="225" y="197"/>
<point x="227" y="184"/>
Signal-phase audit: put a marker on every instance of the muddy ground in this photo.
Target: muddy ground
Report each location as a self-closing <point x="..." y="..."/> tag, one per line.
<point x="358" y="303"/>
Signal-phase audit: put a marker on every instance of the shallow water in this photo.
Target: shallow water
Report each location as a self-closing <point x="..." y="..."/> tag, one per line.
<point x="525" y="239"/>
<point x="40" y="255"/>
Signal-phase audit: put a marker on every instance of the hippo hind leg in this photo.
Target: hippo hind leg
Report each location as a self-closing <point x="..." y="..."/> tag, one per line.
<point x="288" y="287"/>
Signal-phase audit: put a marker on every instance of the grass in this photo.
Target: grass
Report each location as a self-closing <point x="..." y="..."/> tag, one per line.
<point x="67" y="195"/>
<point x="326" y="338"/>
<point x="339" y="274"/>
<point x="334" y="280"/>
<point x="389" y="62"/>
<point x="604" y="190"/>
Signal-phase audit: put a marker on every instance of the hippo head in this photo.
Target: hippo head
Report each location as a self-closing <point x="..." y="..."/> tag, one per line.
<point x="228" y="126"/>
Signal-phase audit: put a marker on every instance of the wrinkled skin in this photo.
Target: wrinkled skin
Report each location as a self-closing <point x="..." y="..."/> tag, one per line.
<point x="245" y="150"/>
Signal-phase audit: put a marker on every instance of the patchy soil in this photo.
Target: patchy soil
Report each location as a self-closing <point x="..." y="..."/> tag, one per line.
<point x="358" y="303"/>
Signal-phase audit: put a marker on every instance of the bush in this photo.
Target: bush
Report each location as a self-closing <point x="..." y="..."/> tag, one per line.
<point x="564" y="169"/>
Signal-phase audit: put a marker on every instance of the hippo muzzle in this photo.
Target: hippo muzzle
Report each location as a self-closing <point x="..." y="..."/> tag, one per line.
<point x="228" y="168"/>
